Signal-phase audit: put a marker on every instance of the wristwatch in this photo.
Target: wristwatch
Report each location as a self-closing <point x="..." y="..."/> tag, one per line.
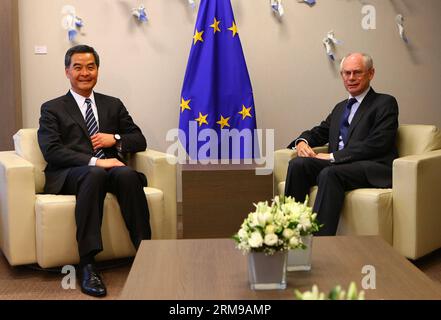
<point x="118" y="142"/>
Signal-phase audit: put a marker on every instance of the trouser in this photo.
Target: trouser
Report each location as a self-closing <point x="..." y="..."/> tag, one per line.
<point x="90" y="184"/>
<point x="333" y="180"/>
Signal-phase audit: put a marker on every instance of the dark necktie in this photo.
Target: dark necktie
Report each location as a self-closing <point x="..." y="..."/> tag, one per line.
<point x="92" y="127"/>
<point x="344" y="125"/>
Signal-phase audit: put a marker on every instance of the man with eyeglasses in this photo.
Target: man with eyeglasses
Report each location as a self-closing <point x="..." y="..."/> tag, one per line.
<point x="361" y="133"/>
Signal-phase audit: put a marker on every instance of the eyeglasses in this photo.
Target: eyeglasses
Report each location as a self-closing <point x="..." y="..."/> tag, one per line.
<point x="356" y="74"/>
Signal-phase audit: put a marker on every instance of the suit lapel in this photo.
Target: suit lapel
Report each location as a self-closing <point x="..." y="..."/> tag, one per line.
<point x="73" y="110"/>
<point x="367" y="101"/>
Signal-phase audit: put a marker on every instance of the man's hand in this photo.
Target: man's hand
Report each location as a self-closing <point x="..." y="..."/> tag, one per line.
<point x="324" y="156"/>
<point x="305" y="151"/>
<point x="102" y="140"/>
<point x="109" y="163"/>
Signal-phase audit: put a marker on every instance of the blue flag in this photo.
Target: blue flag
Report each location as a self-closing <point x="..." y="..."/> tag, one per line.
<point x="217" y="113"/>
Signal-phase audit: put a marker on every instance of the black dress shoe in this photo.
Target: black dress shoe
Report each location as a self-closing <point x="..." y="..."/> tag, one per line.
<point x="91" y="282"/>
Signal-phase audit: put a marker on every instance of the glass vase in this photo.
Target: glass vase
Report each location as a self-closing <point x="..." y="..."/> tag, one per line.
<point x="300" y="259"/>
<point x="267" y="272"/>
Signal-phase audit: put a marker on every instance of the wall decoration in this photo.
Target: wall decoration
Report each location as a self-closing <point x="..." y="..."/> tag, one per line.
<point x="277" y="7"/>
<point x="192" y="3"/>
<point x="329" y="42"/>
<point x="400" y="22"/>
<point x="140" y="13"/>
<point x="71" y="22"/>
<point x="309" y="2"/>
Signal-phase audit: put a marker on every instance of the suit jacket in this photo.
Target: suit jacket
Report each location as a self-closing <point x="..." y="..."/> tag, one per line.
<point x="371" y="136"/>
<point x="65" y="142"/>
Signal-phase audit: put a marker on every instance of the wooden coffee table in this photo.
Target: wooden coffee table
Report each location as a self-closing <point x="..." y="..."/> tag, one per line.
<point x="213" y="269"/>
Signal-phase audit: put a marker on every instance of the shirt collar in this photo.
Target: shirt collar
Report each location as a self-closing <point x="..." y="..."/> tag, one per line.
<point x="82" y="100"/>
<point x="361" y="97"/>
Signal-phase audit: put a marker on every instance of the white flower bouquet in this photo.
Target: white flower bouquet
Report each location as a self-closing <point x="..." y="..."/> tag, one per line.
<point x="299" y="215"/>
<point x="276" y="227"/>
<point x="335" y="294"/>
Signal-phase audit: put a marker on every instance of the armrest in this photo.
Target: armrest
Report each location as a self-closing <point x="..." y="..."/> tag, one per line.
<point x="321" y="149"/>
<point x="281" y="161"/>
<point x="17" y="216"/>
<point x="160" y="169"/>
<point x="416" y="206"/>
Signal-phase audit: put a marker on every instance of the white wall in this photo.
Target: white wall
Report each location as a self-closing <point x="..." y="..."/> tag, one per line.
<point x="295" y="85"/>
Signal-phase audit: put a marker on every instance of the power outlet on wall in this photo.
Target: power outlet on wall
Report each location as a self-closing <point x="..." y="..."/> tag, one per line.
<point x="40" y="50"/>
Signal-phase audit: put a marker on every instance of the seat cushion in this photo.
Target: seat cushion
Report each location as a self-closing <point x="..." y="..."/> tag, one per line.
<point x="56" y="228"/>
<point x="365" y="212"/>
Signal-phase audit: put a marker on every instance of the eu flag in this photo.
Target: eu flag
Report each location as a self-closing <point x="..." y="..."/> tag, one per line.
<point x="217" y="113"/>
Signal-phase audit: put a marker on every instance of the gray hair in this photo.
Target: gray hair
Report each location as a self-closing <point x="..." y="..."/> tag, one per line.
<point x="368" y="61"/>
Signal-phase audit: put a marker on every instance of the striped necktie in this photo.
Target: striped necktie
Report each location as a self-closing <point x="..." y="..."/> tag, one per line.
<point x="92" y="127"/>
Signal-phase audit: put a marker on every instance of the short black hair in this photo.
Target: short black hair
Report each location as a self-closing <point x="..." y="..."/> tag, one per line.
<point x="80" y="49"/>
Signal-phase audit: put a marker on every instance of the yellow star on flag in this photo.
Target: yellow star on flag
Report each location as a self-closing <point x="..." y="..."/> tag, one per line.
<point x="185" y="105"/>
<point x="233" y="29"/>
<point x="198" y="36"/>
<point x="202" y="119"/>
<point x="246" y="112"/>
<point x="215" y="26"/>
<point x="224" y="122"/>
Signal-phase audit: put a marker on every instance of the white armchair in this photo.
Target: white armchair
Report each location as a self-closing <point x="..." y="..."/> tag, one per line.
<point x="40" y="228"/>
<point x="407" y="215"/>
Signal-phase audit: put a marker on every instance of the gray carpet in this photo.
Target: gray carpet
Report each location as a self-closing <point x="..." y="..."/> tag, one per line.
<point x="29" y="283"/>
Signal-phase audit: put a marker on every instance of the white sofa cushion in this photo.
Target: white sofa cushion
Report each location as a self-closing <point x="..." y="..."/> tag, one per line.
<point x="56" y="228"/>
<point x="364" y="212"/>
<point x="417" y="139"/>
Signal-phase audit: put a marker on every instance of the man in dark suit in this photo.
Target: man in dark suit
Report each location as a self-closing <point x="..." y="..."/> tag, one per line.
<point x="82" y="136"/>
<point x="361" y="134"/>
